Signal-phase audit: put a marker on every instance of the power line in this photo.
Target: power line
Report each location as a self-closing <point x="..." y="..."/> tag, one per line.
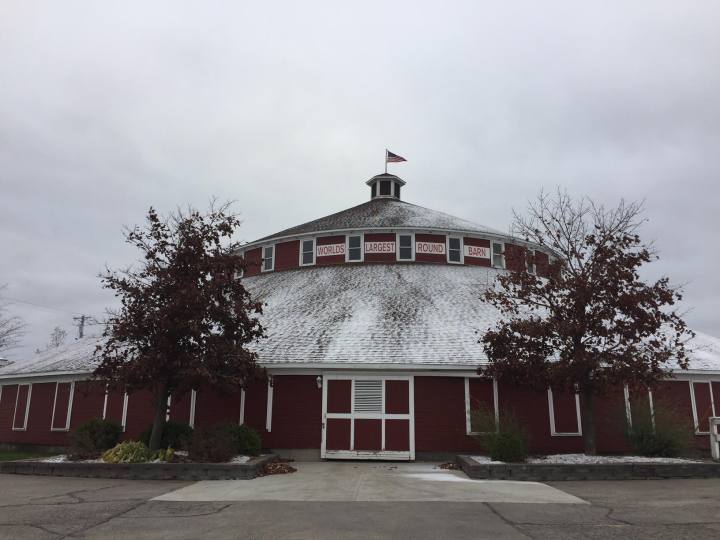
<point x="15" y="300"/>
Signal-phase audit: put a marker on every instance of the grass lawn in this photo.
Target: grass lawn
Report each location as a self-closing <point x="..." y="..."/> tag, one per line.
<point x="12" y="455"/>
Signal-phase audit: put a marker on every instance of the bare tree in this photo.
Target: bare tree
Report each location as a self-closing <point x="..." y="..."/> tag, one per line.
<point x="12" y="328"/>
<point x="57" y="338"/>
<point x="589" y="322"/>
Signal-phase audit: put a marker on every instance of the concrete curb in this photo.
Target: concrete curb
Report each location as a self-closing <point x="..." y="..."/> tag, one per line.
<point x="610" y="471"/>
<point x="142" y="471"/>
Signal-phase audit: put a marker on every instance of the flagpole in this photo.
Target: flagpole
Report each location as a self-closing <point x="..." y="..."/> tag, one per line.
<point x="386" y="161"/>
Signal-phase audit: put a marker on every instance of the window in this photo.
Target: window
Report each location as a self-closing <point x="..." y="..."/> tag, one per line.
<point x="22" y="407"/>
<point x="373" y="190"/>
<point x="498" y="258"/>
<point x="354" y="248"/>
<point x="397" y="190"/>
<point x="703" y="405"/>
<point x="405" y="247"/>
<point x="530" y="261"/>
<point x="481" y="395"/>
<point x="454" y="250"/>
<point x="307" y="252"/>
<point x="268" y="258"/>
<point x="62" y="406"/>
<point x="564" y="412"/>
<point x="385" y="187"/>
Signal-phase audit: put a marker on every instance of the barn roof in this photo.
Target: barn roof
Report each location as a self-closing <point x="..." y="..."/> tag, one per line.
<point x="362" y="316"/>
<point x="385" y="213"/>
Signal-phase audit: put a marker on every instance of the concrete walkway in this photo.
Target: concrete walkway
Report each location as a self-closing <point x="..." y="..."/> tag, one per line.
<point x="371" y="482"/>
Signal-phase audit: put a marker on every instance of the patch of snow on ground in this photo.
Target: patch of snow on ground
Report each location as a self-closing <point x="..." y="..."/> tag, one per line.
<point x="62" y="458"/>
<point x="438" y="477"/>
<point x="485" y="460"/>
<point x="240" y="459"/>
<point x="582" y="459"/>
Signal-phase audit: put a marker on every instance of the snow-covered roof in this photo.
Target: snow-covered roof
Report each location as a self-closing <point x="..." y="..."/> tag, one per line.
<point x="73" y="357"/>
<point x="372" y="315"/>
<point x="385" y="213"/>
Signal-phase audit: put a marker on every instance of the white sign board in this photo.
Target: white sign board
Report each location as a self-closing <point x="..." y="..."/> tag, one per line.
<point x="329" y="250"/>
<point x="477" y="251"/>
<point x="379" y="247"/>
<point x="429" y="248"/>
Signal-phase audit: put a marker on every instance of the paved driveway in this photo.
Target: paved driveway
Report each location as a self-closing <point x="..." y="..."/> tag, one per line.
<point x="408" y="502"/>
<point x="368" y="481"/>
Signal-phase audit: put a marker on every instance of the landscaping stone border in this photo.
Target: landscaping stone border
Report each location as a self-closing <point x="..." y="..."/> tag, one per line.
<point x="142" y="471"/>
<point x="596" y="471"/>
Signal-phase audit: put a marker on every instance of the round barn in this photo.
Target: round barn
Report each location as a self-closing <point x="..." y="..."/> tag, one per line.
<point x="373" y="316"/>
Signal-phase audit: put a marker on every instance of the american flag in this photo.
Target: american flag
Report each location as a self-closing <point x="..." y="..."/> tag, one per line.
<point x="393" y="158"/>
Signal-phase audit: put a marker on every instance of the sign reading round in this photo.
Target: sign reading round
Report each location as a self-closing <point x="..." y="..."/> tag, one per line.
<point x="430" y="248"/>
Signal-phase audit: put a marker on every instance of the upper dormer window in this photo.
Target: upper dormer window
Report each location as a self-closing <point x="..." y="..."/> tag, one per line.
<point x="268" y="262"/>
<point x="397" y="190"/>
<point x="498" y="257"/>
<point x="385" y="187"/>
<point x="354" y="248"/>
<point x="405" y="247"/>
<point x="307" y="253"/>
<point x="454" y="250"/>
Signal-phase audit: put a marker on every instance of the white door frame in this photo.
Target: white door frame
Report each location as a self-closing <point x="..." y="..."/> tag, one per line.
<point x="382" y="416"/>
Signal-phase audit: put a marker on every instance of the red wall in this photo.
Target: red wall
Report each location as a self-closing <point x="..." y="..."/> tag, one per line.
<point x="287" y="255"/>
<point x="476" y="261"/>
<point x="253" y="260"/>
<point x="296" y="413"/>
<point x="431" y="257"/>
<point x="380" y="257"/>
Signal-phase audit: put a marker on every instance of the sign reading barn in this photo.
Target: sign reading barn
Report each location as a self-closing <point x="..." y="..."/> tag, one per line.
<point x="477" y="251"/>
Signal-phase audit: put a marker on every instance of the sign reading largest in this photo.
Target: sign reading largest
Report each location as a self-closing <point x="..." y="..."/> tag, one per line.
<point x="379" y="247"/>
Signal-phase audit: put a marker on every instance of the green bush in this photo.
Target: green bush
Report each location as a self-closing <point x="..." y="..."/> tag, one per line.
<point x="670" y="435"/>
<point x="214" y="444"/>
<point x="128" y="452"/>
<point x="245" y="439"/>
<point x="175" y="435"/>
<point x="93" y="437"/>
<point x="504" y="441"/>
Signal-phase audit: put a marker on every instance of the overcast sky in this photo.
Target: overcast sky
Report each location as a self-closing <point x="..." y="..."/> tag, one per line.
<point x="108" y="108"/>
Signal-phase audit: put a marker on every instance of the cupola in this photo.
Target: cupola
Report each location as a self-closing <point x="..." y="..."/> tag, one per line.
<point x="385" y="186"/>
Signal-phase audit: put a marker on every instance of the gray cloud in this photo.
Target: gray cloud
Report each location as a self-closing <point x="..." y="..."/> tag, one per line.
<point x="286" y="107"/>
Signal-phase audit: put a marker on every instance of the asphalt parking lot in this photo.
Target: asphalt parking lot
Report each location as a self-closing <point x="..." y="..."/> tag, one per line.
<point x="346" y="500"/>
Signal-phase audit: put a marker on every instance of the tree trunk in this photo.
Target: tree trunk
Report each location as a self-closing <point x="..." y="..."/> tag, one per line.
<point x="587" y="409"/>
<point x="159" y="419"/>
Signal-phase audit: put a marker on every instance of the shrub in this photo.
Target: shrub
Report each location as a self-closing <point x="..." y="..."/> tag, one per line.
<point x="93" y="437"/>
<point x="505" y="441"/>
<point x="245" y="439"/>
<point x="214" y="444"/>
<point x="670" y="436"/>
<point x="128" y="452"/>
<point x="175" y="435"/>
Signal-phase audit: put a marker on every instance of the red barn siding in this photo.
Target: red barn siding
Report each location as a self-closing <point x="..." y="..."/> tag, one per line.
<point x="60" y="405"/>
<point x="296" y="413"/>
<point x="542" y="262"/>
<point x="368" y="434"/>
<point x="330" y="259"/>
<point x="213" y="407"/>
<point x="380" y="257"/>
<point x="253" y="261"/>
<point x="114" y="408"/>
<point x="287" y="255"/>
<point x="440" y="415"/>
<point x="256" y="406"/>
<point x="397" y="397"/>
<point x="87" y="402"/>
<point x="565" y="412"/>
<point x="140" y="413"/>
<point x="397" y="435"/>
<point x="514" y="257"/>
<point x="180" y="408"/>
<point x="431" y="257"/>
<point x="338" y="434"/>
<point x="610" y="422"/>
<point x="476" y="261"/>
<point x="703" y="405"/>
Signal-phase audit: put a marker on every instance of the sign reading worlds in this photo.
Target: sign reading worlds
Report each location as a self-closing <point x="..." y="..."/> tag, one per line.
<point x="477" y="251"/>
<point x="328" y="250"/>
<point x="379" y="247"/>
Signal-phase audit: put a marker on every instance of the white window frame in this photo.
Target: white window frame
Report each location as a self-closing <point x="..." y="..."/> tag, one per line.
<point x="551" y="410"/>
<point x="314" y="254"/>
<point x="412" y="247"/>
<point x="263" y="258"/>
<point x="268" y="412"/>
<point x="362" y="248"/>
<point x="696" y="422"/>
<point x="492" y="253"/>
<point x="27" y="408"/>
<point x="462" y="249"/>
<point x="530" y="253"/>
<point x="241" y="420"/>
<point x="69" y="407"/>
<point x="193" y="401"/>
<point x="123" y="419"/>
<point x="628" y="406"/>
<point x="468" y="406"/>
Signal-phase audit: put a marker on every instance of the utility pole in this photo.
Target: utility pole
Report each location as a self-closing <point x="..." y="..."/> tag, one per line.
<point x="81" y="325"/>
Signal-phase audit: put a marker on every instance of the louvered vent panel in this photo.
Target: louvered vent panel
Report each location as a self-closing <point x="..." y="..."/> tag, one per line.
<point x="368" y="396"/>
